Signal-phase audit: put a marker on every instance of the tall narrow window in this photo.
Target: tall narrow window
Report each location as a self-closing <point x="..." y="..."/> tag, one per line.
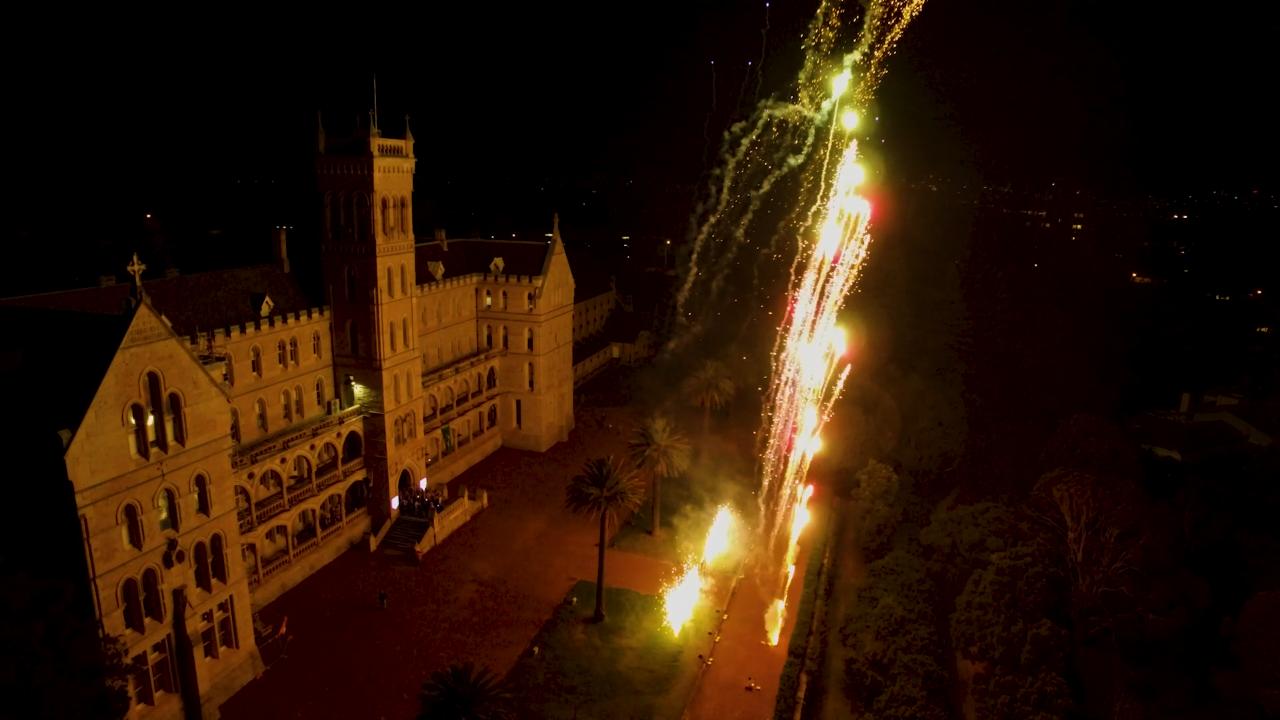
<point x="320" y="392"/>
<point x="131" y="598"/>
<point x="528" y="339"/>
<point x="491" y="379"/>
<point x="519" y="415"/>
<point x="297" y="402"/>
<point x="168" y="510"/>
<point x="229" y="371"/>
<point x="138" y="426"/>
<point x="152" y="600"/>
<point x="386" y="218"/>
<point x="505" y="344"/>
<point x="391" y="285"/>
<point x="286" y="402"/>
<point x="293" y="351"/>
<point x="156" y="421"/>
<point x="315" y="344"/>
<point x="530" y="376"/>
<point x="204" y="503"/>
<point x="404" y="217"/>
<point x="395" y="383"/>
<point x="227" y="623"/>
<point x="208" y="634"/>
<point x="404" y="280"/>
<point x="488" y="337"/>
<point x="218" y="558"/>
<point x="393" y="335"/>
<point x="504" y="299"/>
<point x="255" y="360"/>
<point x="200" y="557"/>
<point x="404" y="332"/>
<point x="260" y="409"/>
<point x="176" y="420"/>
<point x="235" y="425"/>
<point x="488" y="299"/>
<point x="493" y="415"/>
<point x="133" y="526"/>
<point x="280" y="353"/>
<point x="528" y="299"/>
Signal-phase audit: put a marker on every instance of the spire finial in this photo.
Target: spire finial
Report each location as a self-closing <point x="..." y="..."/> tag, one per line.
<point x="555" y="227"/>
<point x="408" y="134"/>
<point x="375" y="101"/>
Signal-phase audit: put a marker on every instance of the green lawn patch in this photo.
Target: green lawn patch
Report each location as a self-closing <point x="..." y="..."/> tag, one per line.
<point x="630" y="666"/>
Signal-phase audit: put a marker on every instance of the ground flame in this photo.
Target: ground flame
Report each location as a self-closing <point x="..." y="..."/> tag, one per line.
<point x="681" y="597"/>
<point x="719" y="536"/>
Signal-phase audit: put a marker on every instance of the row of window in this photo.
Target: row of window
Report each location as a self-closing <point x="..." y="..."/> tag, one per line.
<point x="132" y="531"/>
<point x="506" y="343"/>
<point x="291" y="409"/>
<point x="459" y="432"/>
<point x="503" y="305"/>
<point x="142" y="601"/>
<point x="464" y="393"/>
<point x="404" y="334"/>
<point x="156" y="421"/>
<point x="348" y="217"/>
<point x="286" y="355"/>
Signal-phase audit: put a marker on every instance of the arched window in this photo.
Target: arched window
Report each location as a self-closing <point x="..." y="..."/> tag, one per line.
<point x="530" y="376"/>
<point x="528" y="339"/>
<point x="404" y="332"/>
<point x="286" y="403"/>
<point x="505" y="343"/>
<point x="404" y="216"/>
<point x="393" y="336"/>
<point x="297" y="402"/>
<point x="464" y="392"/>
<point x="433" y="406"/>
<point x="260" y="409"/>
<point x="138" y="428"/>
<point x="528" y="298"/>
<point x="448" y="399"/>
<point x="404" y="280"/>
<point x="488" y="337"/>
<point x="320" y="399"/>
<point x="133" y="526"/>
<point x="176" y="419"/>
<point x="479" y="382"/>
<point x="235" y="425"/>
<point x="168" y="510"/>
<point x="152" y="599"/>
<point x="352" y="447"/>
<point x="280" y="353"/>
<point x="315" y="344"/>
<point x="219" y="558"/>
<point x="488" y="299"/>
<point x="204" y="499"/>
<point x="131" y="598"/>
<point x="386" y="218"/>
<point x="255" y="360"/>
<point x="491" y="380"/>
<point x="504" y="299"/>
<point x="293" y="351"/>
<point x="156" y="421"/>
<point x="493" y="415"/>
<point x="200" y="556"/>
<point x="391" y="284"/>
<point x="395" y="384"/>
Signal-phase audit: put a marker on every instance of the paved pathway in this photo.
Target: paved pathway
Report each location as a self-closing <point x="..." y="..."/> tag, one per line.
<point x="480" y="596"/>
<point x="742" y="652"/>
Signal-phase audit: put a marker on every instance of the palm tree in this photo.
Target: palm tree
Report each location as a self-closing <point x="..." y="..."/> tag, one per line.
<point x="710" y="388"/>
<point x="661" y="452"/>
<point x="464" y="692"/>
<point x="605" y="489"/>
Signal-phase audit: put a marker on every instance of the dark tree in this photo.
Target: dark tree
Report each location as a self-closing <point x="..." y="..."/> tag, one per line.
<point x="606" y="489"/>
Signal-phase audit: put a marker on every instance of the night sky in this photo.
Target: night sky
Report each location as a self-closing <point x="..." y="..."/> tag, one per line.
<point x="519" y="112"/>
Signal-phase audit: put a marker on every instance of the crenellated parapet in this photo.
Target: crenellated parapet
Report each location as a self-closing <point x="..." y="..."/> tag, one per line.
<point x="263" y="326"/>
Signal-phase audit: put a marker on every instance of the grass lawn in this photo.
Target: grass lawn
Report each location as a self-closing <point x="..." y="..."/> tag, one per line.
<point x="631" y="666"/>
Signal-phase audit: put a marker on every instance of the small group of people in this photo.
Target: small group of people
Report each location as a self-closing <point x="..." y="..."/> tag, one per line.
<point x="423" y="504"/>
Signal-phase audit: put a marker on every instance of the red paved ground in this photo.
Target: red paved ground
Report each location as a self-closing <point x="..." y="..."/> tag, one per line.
<point x="742" y="652"/>
<point x="481" y="596"/>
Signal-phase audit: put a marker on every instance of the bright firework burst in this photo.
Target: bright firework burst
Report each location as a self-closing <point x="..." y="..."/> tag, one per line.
<point x="719" y="536"/>
<point x="681" y="597"/>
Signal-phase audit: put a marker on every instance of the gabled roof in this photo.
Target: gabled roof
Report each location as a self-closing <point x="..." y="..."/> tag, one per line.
<point x="467" y="256"/>
<point x="192" y="303"/>
<point x="52" y="362"/>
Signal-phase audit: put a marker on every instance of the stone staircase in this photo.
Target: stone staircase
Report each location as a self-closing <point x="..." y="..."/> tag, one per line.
<point x="404" y="535"/>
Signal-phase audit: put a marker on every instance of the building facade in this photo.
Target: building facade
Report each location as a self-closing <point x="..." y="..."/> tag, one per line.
<point x="240" y="436"/>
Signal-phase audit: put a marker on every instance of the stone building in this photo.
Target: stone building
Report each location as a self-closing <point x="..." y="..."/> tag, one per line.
<point x="234" y="434"/>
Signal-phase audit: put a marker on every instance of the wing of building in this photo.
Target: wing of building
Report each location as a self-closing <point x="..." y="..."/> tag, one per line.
<point x="225" y="435"/>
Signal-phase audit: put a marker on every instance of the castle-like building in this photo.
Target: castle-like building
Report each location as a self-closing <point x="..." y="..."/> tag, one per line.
<point x="224" y="437"/>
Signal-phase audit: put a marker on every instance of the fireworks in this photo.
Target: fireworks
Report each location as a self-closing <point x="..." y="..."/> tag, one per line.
<point x="679" y="600"/>
<point x="718" y="536"/>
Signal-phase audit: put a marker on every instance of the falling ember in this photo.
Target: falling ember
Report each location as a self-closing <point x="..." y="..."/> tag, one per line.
<point x="680" y="598"/>
<point x="718" y="536"/>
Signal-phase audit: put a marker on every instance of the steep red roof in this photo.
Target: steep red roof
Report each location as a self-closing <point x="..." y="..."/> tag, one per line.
<point x="192" y="303"/>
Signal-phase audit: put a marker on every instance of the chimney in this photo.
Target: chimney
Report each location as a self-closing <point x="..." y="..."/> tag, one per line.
<point x="280" y="247"/>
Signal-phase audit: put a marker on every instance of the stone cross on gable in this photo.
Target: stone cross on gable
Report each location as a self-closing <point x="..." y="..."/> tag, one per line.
<point x="135" y="269"/>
